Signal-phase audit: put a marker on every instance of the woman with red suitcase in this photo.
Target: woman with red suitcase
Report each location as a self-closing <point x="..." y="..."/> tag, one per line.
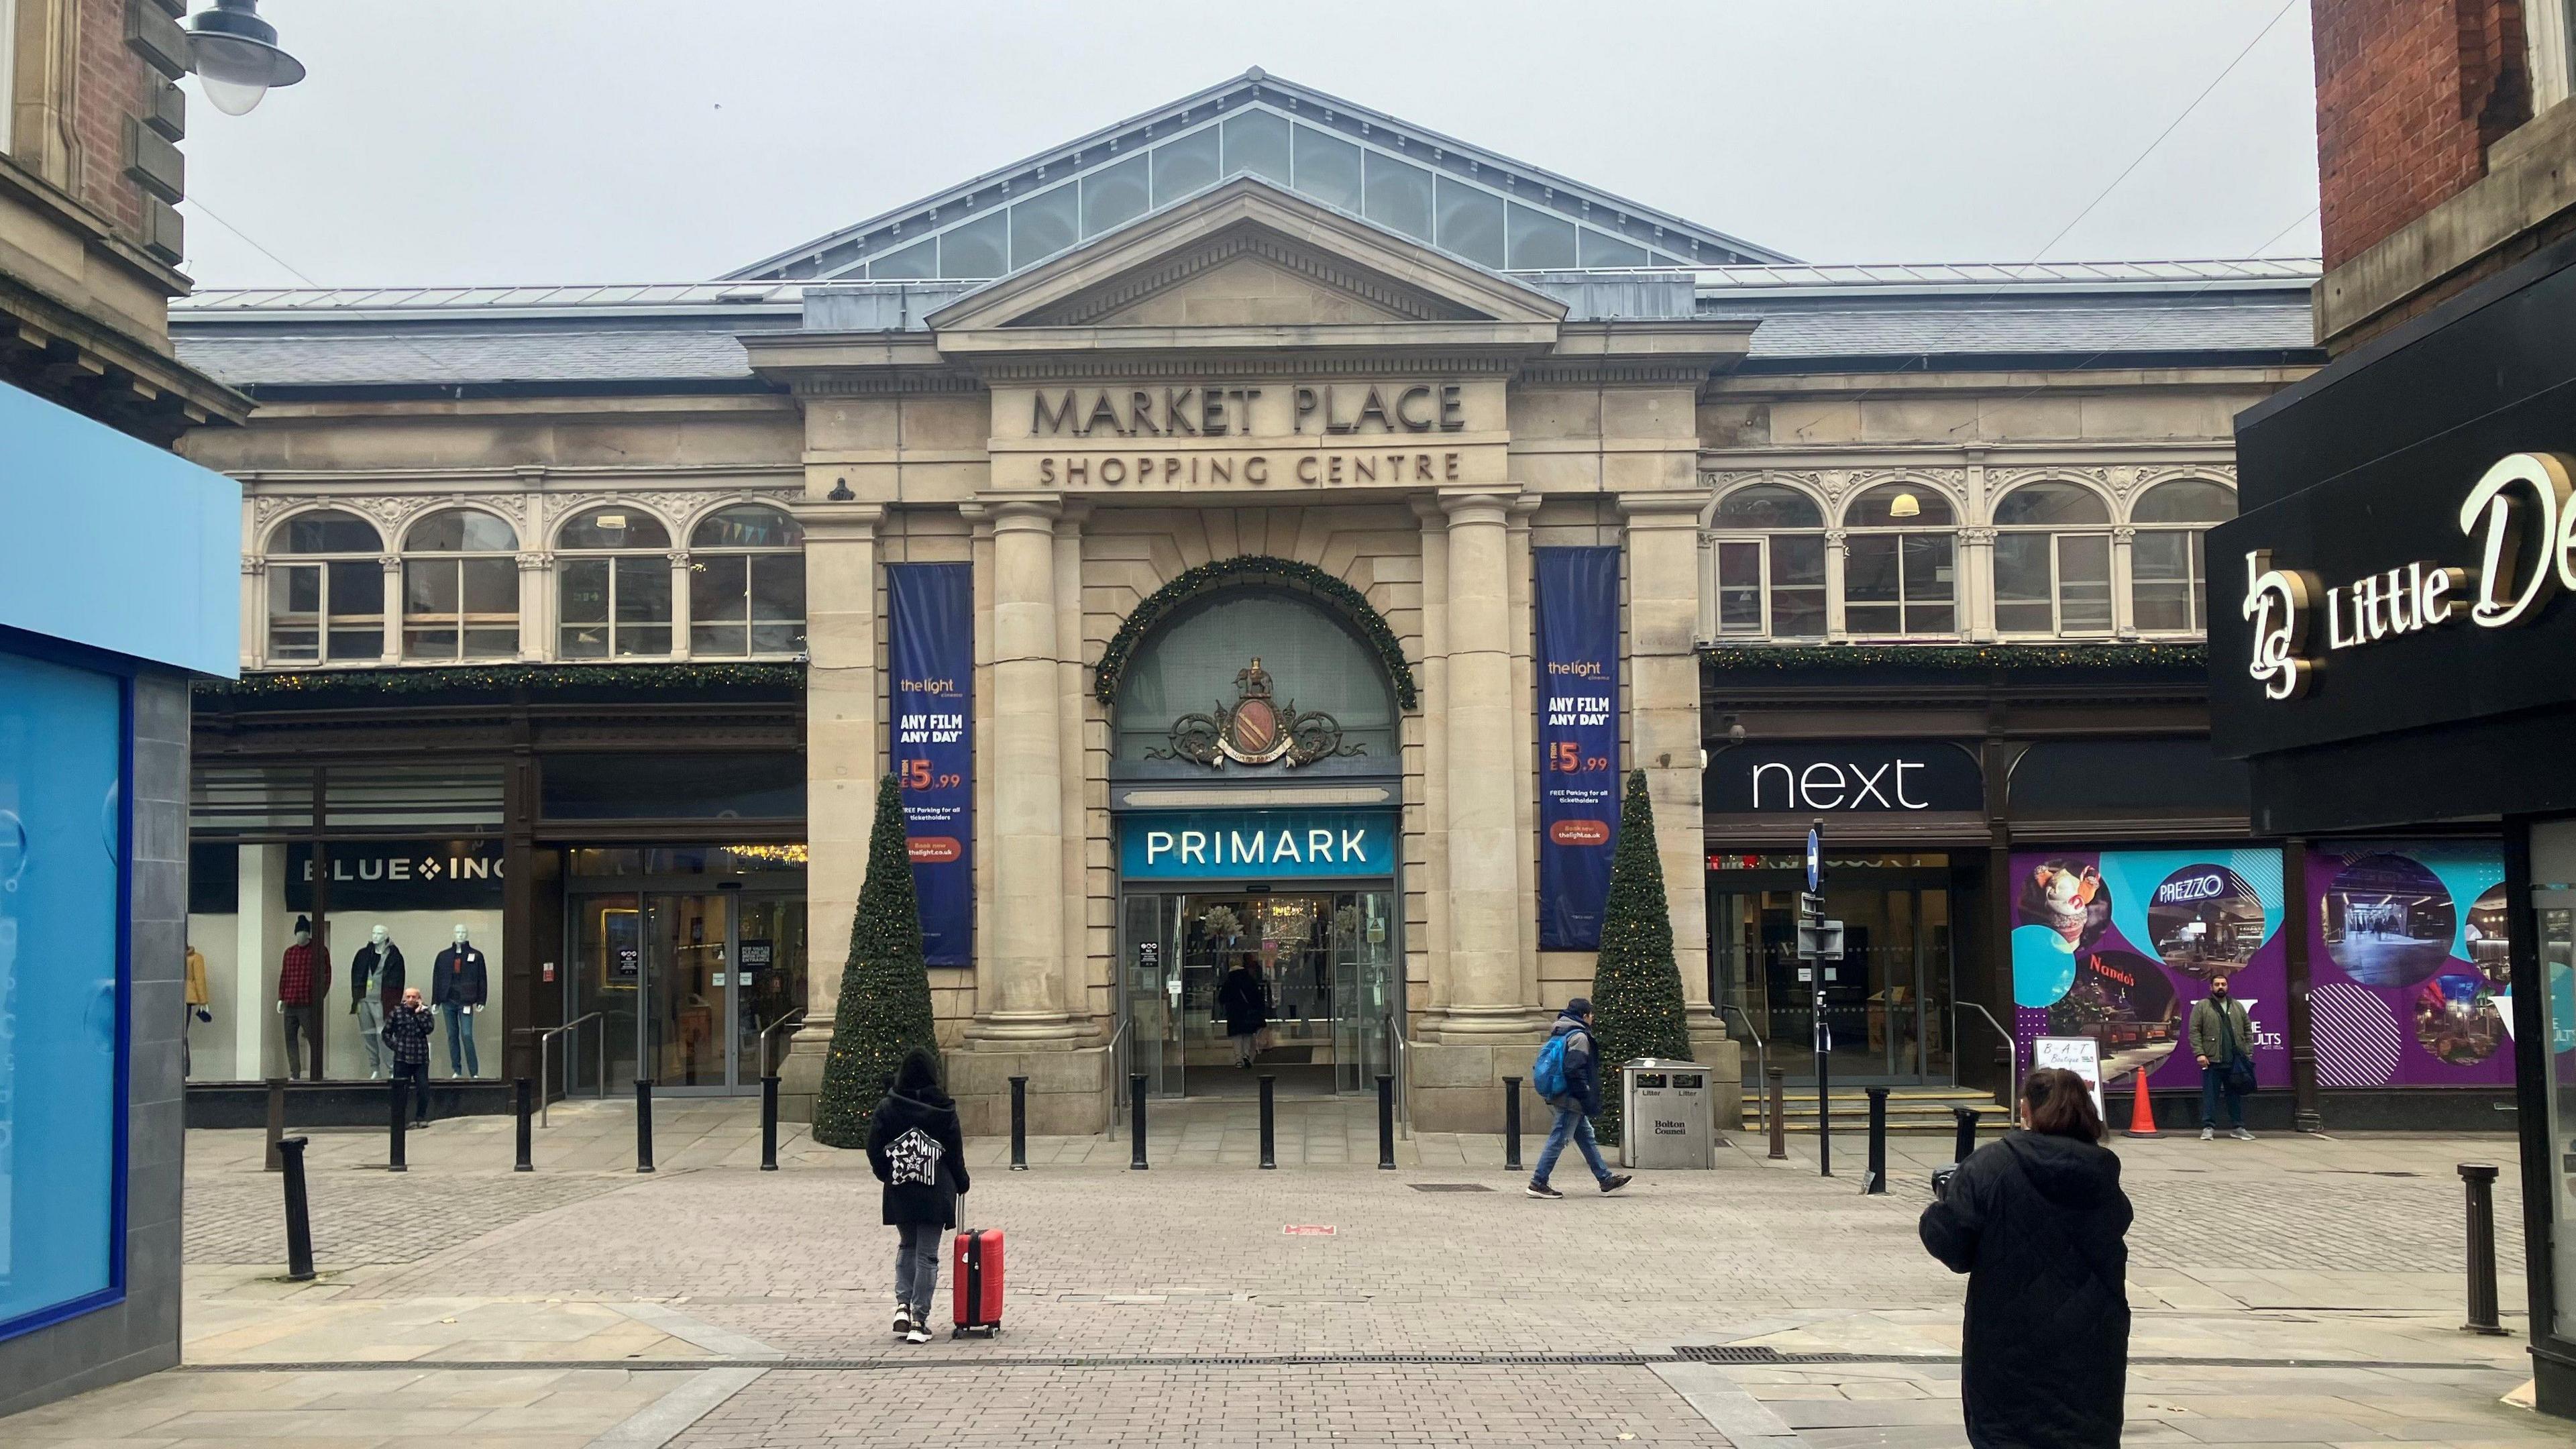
<point x="918" y="1150"/>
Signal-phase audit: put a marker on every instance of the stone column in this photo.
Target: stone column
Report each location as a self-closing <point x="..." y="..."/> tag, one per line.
<point x="679" y="603"/>
<point x="2124" y="608"/>
<point x="1837" y="552"/>
<point x="843" y="760"/>
<point x="1484" y="885"/>
<point x="1975" y="589"/>
<point x="254" y="609"/>
<point x="1524" y="688"/>
<point x="1665" y="741"/>
<point x="1431" y="864"/>
<point x="536" y="612"/>
<point x="1076" y="840"/>
<point x="393" y="567"/>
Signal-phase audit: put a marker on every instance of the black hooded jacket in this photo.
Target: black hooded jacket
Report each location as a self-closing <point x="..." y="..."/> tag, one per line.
<point x="918" y="1150"/>
<point x="2039" y="1224"/>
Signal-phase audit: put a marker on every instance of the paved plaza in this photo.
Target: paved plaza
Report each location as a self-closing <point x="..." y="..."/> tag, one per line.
<point x="2288" y="1291"/>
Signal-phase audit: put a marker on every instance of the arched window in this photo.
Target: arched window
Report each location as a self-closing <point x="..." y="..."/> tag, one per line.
<point x="2052" y="561"/>
<point x="1900" y="565"/>
<point x="1315" y="662"/>
<point x="326" y="589"/>
<point x="2169" y="559"/>
<point x="746" y="583"/>
<point x="1770" y="547"/>
<point x="460" y="587"/>
<point x="613" y="584"/>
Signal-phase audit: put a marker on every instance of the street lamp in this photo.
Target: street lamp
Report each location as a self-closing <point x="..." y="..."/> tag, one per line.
<point x="236" y="56"/>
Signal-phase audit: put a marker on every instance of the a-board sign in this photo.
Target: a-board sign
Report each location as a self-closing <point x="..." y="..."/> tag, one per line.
<point x="2081" y="1055"/>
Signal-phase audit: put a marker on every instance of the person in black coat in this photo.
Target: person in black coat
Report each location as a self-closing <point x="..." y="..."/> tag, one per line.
<point x="918" y="1150"/>
<point x="2039" y="1224"/>
<point x="1246" y="1008"/>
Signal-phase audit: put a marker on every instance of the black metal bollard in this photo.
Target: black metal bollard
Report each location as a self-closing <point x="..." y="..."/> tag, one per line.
<point x="643" y="1124"/>
<point x="1877" y="1180"/>
<point x="1019" y="1124"/>
<point x="2483" y="1318"/>
<point x="1269" y="1123"/>
<point x="769" y="1124"/>
<point x="1967" y="1120"/>
<point x="1824" y="1112"/>
<point x="1779" y="1114"/>
<point x="276" y="1123"/>
<point x="299" y="1222"/>
<point x="1512" y="1123"/>
<point x="1385" y="1122"/>
<point x="527" y="1120"/>
<point x="396" y="1160"/>
<point x="1136" y="1121"/>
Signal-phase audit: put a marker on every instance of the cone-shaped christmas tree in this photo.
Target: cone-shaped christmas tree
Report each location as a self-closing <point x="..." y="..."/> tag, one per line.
<point x="885" y="990"/>
<point x="1636" y="988"/>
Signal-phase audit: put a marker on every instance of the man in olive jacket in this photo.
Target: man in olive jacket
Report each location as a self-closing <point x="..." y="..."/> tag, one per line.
<point x="2222" y="1038"/>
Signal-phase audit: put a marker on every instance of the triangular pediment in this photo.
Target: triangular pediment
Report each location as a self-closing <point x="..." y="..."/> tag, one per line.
<point x="1248" y="254"/>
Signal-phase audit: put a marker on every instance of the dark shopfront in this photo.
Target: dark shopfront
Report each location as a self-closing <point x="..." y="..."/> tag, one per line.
<point x="2400" y="658"/>
<point x="618" y="849"/>
<point x="2028" y="842"/>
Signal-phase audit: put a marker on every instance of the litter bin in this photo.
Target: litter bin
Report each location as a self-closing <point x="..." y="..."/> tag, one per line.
<point x="1665" y="1108"/>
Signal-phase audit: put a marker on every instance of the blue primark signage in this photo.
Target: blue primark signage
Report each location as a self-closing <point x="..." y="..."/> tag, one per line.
<point x="1256" y="845"/>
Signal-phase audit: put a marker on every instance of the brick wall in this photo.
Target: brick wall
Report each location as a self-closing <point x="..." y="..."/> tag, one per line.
<point x="2410" y="93"/>
<point x="112" y="86"/>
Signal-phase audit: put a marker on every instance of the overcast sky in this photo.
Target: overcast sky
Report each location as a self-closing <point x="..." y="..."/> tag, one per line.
<point x="539" y="141"/>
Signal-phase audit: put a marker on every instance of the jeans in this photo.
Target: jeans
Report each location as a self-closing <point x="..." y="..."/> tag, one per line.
<point x="303" y="1023"/>
<point x="371" y="1032"/>
<point x="916" y="1267"/>
<point x="1571" y="1125"/>
<point x="2214" y="1083"/>
<point x="418" y="1073"/>
<point x="461" y="1060"/>
<point x="1246" y="1047"/>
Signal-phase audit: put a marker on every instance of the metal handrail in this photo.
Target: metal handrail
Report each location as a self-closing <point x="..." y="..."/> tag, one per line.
<point x="2012" y="1053"/>
<point x="545" y="1062"/>
<point x="791" y="1018"/>
<point x="1762" y="1064"/>
<point x="1403" y="1071"/>
<point x="1117" y="1077"/>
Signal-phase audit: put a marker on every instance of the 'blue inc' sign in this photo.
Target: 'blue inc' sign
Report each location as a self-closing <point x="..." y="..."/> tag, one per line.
<point x="1256" y="844"/>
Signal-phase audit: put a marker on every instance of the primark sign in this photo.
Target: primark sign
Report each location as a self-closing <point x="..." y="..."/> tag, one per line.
<point x="1256" y="845"/>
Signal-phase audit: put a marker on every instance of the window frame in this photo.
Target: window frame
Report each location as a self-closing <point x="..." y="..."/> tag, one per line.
<point x="567" y="555"/>
<point x="461" y="622"/>
<point x="1720" y="536"/>
<point x="753" y="557"/>
<point x="2057" y="534"/>
<point x="1904" y="605"/>
<point x="279" y="565"/>
<point x="2195" y="536"/>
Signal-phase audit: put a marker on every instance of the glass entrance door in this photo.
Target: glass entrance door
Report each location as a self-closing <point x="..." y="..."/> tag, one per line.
<point x="684" y="983"/>
<point x="1323" y="962"/>
<point x="688" y="990"/>
<point x="1150" y="988"/>
<point x="1363" y="946"/>
<point x="1886" y="1003"/>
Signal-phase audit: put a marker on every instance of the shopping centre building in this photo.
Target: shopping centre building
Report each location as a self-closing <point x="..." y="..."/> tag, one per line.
<point x="1265" y="530"/>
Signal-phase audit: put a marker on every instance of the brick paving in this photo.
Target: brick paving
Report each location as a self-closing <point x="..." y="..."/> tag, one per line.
<point x="370" y="1217"/>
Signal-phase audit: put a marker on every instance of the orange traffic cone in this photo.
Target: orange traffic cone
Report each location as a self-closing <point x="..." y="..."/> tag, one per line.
<point x="2142" y="1122"/>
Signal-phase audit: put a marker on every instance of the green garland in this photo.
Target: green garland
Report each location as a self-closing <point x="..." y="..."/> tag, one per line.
<point x="278" y="686"/>
<point x="1782" y="657"/>
<point x="1253" y="568"/>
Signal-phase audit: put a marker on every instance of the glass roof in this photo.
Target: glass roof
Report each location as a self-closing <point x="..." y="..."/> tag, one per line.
<point x="1456" y="199"/>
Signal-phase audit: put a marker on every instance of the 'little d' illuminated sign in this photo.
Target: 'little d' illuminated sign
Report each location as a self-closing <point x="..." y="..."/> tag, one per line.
<point x="2518" y="514"/>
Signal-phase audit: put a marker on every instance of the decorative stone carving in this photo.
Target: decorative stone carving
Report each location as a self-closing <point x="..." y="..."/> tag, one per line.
<point x="1255" y="731"/>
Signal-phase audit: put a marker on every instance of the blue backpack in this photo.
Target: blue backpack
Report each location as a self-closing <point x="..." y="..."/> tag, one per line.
<point x="1547" y="1074"/>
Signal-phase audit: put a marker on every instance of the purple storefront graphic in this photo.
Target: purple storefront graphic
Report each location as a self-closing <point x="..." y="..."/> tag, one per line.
<point x="2407" y="964"/>
<point x="2118" y="945"/>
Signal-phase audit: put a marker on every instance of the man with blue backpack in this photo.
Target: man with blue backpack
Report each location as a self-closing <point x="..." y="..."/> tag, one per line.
<point x="1568" y="1076"/>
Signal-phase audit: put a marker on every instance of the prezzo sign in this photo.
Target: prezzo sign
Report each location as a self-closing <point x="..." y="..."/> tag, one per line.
<point x="1866" y="777"/>
<point x="2183" y="890"/>
<point x="2518" y="516"/>
<point x="1256" y="845"/>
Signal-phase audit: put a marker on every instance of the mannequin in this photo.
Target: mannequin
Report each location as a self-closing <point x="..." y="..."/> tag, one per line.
<point x="196" y="1009"/>
<point x="375" y="980"/>
<point x="458" y="987"/>
<point x="303" y="980"/>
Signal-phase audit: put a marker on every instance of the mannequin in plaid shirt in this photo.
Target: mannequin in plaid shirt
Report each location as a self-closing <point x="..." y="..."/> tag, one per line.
<point x="303" y="980"/>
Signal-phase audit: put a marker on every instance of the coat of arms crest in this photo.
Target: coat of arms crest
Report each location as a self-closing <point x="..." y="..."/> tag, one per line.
<point x="1255" y="730"/>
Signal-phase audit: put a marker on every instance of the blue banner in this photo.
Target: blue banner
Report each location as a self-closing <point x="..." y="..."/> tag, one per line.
<point x="931" y="654"/>
<point x="1256" y="845"/>
<point x="1578" y="741"/>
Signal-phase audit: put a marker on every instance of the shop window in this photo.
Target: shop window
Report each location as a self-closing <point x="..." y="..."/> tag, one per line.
<point x="326" y="590"/>
<point x="2052" y="561"/>
<point x="2169" y="557"/>
<point x="747" y="583"/>
<point x="62" y="743"/>
<point x="460" y="587"/>
<point x="613" y="585"/>
<point x="1256" y="143"/>
<point x="1314" y="663"/>
<point x="1043" y="225"/>
<point x="1540" y="240"/>
<point x="1470" y="222"/>
<point x="1900" y="567"/>
<point x="1185" y="164"/>
<point x="1769" y="551"/>
<point x="1115" y="194"/>
<point x="1328" y="169"/>
<point x="1399" y="196"/>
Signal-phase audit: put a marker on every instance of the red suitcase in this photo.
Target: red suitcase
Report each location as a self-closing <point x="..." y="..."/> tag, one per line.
<point x="978" y="1281"/>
